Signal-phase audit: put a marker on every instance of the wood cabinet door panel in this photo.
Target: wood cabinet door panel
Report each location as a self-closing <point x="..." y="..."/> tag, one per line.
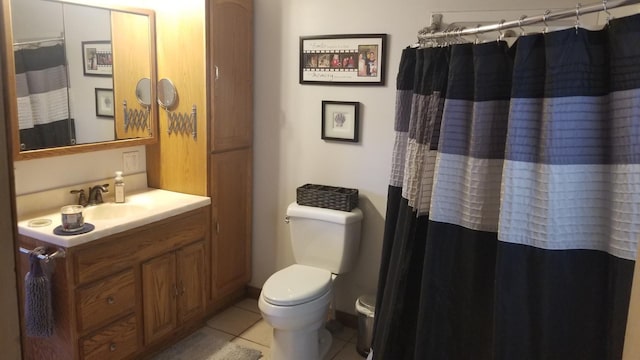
<point x="231" y="235"/>
<point x="191" y="281"/>
<point x="231" y="49"/>
<point x="159" y="296"/>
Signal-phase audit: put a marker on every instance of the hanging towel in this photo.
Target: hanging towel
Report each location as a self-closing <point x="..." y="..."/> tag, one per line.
<point x="38" y="312"/>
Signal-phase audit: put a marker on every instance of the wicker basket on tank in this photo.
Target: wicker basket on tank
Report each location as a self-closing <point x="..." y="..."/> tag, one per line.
<point x="329" y="197"/>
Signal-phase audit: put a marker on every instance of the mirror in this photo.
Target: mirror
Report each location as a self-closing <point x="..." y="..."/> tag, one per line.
<point x="167" y="94"/>
<point x="143" y="92"/>
<point x="73" y="72"/>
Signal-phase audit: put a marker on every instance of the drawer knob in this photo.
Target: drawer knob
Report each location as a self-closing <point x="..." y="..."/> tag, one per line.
<point x="112" y="347"/>
<point x="111" y="300"/>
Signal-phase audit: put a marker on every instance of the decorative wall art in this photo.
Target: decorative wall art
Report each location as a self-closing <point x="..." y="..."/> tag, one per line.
<point x="104" y="102"/>
<point x="340" y="120"/>
<point x="343" y="59"/>
<point x="97" y="58"/>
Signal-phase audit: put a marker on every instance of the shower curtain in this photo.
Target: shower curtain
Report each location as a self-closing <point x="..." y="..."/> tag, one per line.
<point x="514" y="200"/>
<point x="43" y="98"/>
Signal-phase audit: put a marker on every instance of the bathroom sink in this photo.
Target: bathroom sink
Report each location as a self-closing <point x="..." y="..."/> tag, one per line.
<point x="110" y="211"/>
<point x="142" y="207"/>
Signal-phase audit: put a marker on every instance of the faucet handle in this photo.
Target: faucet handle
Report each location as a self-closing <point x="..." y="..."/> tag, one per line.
<point x="82" y="198"/>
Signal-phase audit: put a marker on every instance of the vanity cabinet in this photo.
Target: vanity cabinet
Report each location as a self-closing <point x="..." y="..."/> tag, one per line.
<point x="173" y="288"/>
<point x="128" y="294"/>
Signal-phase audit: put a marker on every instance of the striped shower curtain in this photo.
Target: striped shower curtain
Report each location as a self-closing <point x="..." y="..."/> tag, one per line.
<point x="514" y="201"/>
<point x="43" y="99"/>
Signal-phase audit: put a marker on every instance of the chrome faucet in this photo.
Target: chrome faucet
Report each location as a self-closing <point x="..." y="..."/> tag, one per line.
<point x="95" y="194"/>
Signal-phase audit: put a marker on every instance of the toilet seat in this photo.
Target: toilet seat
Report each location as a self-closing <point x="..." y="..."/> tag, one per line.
<point x="296" y="284"/>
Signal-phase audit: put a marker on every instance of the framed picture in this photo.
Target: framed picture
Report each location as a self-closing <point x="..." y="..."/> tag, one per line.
<point x="340" y="120"/>
<point x="97" y="58"/>
<point x="104" y="103"/>
<point x="343" y="59"/>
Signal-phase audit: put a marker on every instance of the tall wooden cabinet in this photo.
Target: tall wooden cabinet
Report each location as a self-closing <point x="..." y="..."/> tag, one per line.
<point x="218" y="162"/>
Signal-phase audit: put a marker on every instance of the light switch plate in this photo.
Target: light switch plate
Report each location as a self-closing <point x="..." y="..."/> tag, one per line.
<point x="130" y="162"/>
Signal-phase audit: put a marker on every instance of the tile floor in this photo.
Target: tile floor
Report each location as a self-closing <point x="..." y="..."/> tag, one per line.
<point x="243" y="325"/>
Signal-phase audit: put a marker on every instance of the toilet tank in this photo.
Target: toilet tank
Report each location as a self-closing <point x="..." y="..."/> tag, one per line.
<point x="325" y="238"/>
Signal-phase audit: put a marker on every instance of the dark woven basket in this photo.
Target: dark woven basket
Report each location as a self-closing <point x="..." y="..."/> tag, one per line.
<point x="329" y="197"/>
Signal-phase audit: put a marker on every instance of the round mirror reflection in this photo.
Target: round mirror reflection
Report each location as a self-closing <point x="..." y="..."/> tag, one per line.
<point x="143" y="92"/>
<point x="167" y="94"/>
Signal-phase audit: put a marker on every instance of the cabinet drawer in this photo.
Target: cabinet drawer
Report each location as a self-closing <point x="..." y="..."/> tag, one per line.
<point x="114" y="342"/>
<point x="104" y="300"/>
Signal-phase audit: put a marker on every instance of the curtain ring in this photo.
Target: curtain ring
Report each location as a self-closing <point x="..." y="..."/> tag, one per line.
<point x="544" y="20"/>
<point x="501" y="35"/>
<point x="520" y="24"/>
<point x="577" y="16"/>
<point x="606" y="11"/>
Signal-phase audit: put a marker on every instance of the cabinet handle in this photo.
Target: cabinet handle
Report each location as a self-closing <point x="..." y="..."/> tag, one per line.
<point x="175" y="291"/>
<point x="111" y="300"/>
<point x="112" y="347"/>
<point x="182" y="289"/>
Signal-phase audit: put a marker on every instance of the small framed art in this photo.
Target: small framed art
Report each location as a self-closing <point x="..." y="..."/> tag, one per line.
<point x="97" y="58"/>
<point x="340" y="120"/>
<point x="104" y="103"/>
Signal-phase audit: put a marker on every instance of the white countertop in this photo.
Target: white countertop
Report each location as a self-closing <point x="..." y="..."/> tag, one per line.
<point x="141" y="208"/>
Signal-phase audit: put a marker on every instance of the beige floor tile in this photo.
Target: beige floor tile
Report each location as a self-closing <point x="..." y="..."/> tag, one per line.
<point x="260" y="333"/>
<point x="348" y="352"/>
<point x="266" y="353"/>
<point x="249" y="305"/>
<point x="346" y="334"/>
<point x="233" y="320"/>
<point x="336" y="346"/>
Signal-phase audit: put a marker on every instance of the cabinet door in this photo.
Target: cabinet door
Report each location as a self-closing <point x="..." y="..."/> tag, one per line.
<point x="191" y="281"/>
<point x="230" y="48"/>
<point x="159" y="294"/>
<point x="231" y="235"/>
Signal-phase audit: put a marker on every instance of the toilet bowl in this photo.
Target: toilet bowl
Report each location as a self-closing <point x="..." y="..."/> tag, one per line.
<point x="295" y="300"/>
<point x="298" y="311"/>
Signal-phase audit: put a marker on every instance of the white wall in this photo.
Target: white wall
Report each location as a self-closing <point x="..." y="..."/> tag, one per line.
<point x="288" y="149"/>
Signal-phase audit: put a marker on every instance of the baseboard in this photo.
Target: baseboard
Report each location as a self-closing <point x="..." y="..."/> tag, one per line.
<point x="253" y="292"/>
<point x="346" y="319"/>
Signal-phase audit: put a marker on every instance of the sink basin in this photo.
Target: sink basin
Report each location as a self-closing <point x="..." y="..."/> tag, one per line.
<point x="109" y="211"/>
<point x="141" y="208"/>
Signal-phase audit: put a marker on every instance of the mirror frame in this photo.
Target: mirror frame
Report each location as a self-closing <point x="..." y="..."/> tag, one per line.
<point x="9" y="87"/>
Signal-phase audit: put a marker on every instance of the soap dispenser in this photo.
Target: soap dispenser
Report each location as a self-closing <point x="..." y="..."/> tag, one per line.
<point x="119" y="187"/>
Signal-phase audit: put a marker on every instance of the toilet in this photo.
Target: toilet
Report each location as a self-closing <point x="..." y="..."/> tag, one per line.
<point x="295" y="300"/>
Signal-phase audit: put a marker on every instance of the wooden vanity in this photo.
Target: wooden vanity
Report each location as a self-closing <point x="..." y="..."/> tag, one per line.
<point x="131" y="293"/>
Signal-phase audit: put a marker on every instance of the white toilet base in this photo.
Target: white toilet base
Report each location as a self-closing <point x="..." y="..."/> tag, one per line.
<point x="296" y="345"/>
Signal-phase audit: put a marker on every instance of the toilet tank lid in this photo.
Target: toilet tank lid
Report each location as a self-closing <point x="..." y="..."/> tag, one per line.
<point x="296" y="284"/>
<point x="330" y="215"/>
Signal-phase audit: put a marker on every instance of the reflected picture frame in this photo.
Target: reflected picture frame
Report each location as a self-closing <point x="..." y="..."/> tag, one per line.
<point x="104" y="103"/>
<point x="97" y="58"/>
<point x="340" y="120"/>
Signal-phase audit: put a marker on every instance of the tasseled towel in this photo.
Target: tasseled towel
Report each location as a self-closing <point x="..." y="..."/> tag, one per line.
<point x="38" y="312"/>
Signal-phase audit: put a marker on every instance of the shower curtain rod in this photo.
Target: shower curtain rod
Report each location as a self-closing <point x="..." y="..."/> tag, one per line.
<point x="523" y="21"/>
<point x="31" y="42"/>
